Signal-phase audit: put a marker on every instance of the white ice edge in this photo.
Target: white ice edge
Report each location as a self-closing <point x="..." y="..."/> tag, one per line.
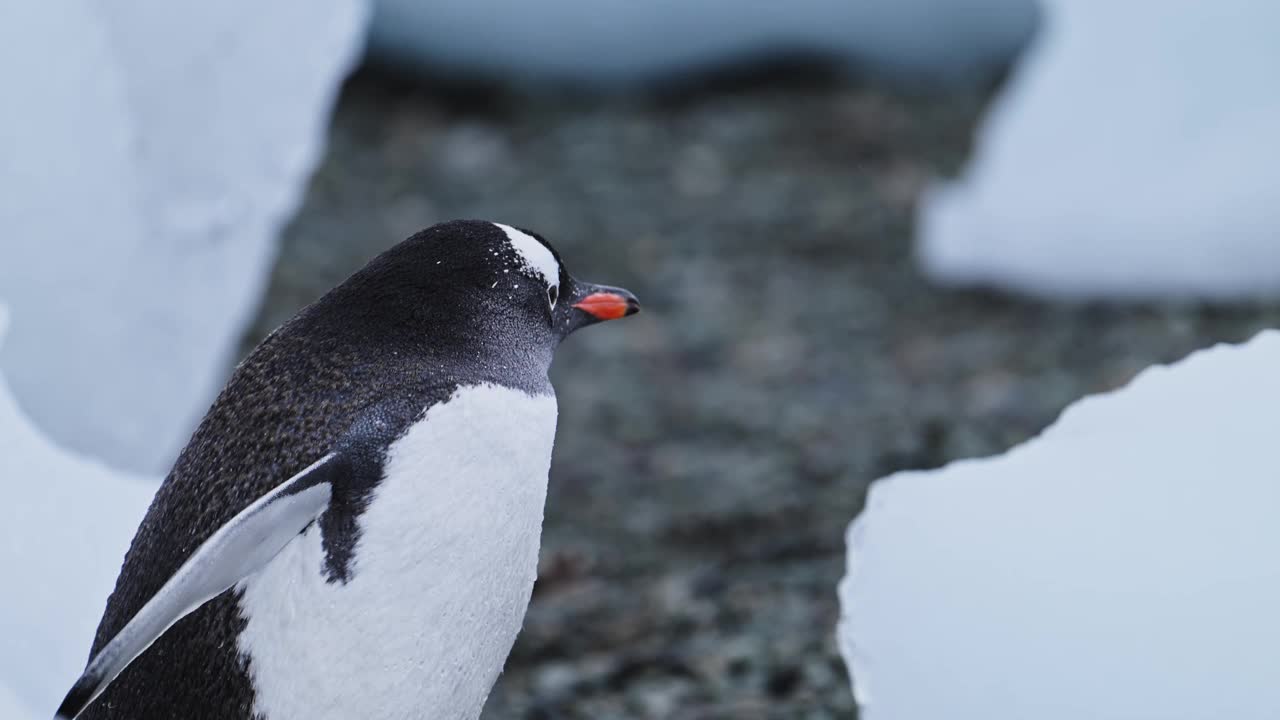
<point x="152" y="164"/>
<point x="1158" y="182"/>
<point x="618" y="42"/>
<point x="1122" y="564"/>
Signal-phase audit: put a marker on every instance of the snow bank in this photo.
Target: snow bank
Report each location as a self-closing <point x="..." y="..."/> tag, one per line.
<point x="65" y="524"/>
<point x="1125" y="564"/>
<point x="1132" y="155"/>
<point x="11" y="708"/>
<point x="151" y="153"/>
<point x="619" y="40"/>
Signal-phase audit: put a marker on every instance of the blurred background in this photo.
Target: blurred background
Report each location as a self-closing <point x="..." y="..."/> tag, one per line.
<point x="762" y="178"/>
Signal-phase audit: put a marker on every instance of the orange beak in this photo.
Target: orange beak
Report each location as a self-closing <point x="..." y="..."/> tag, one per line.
<point x="608" y="305"/>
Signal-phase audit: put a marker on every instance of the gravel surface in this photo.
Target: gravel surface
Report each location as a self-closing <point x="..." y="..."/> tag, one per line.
<point x="712" y="449"/>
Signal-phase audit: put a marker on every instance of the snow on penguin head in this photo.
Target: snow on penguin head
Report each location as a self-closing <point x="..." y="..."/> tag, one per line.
<point x="474" y="288"/>
<point x="536" y="256"/>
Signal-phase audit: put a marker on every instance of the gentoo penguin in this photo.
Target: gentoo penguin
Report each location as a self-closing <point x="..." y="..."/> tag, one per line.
<point x="352" y="531"/>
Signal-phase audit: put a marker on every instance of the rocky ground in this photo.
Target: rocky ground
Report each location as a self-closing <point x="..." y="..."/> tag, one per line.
<point x="712" y="449"/>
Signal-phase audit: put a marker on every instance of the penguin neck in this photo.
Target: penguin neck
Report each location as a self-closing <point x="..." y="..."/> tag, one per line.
<point x="477" y="359"/>
<point x="437" y="348"/>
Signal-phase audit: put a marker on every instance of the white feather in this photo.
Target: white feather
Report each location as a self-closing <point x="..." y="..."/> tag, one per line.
<point x="242" y="546"/>
<point x="441" y="576"/>
<point x="535" y="256"/>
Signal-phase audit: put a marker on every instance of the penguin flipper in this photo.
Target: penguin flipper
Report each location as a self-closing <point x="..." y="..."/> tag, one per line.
<point x="237" y="549"/>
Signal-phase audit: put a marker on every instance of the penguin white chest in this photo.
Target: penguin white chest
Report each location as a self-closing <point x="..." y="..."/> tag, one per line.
<point x="440" y="579"/>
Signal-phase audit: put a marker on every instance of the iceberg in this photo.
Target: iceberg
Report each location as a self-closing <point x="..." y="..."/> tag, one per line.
<point x="1131" y="156"/>
<point x="616" y="41"/>
<point x="1121" y="565"/>
<point x="153" y="150"/>
<point x="65" y="525"/>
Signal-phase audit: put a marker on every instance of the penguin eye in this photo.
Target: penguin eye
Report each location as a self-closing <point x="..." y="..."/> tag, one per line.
<point x="553" y="294"/>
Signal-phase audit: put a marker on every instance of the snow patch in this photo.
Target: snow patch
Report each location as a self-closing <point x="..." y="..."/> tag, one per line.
<point x="1132" y="155"/>
<point x="608" y="41"/>
<point x="65" y="524"/>
<point x="1121" y="565"/>
<point x="11" y="707"/>
<point x="148" y="168"/>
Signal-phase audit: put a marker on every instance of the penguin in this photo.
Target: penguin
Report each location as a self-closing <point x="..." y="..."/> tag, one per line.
<point x="353" y="529"/>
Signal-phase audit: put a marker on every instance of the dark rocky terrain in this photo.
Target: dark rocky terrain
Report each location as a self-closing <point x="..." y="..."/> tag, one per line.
<point x="712" y="449"/>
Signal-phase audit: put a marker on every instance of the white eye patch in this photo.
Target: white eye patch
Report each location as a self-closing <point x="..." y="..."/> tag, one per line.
<point x="536" y="259"/>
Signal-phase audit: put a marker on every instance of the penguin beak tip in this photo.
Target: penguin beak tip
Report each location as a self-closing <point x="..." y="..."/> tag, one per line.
<point x="609" y="304"/>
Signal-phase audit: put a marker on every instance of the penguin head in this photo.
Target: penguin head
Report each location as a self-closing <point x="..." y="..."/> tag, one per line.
<point x="478" y="285"/>
<point x="545" y="288"/>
